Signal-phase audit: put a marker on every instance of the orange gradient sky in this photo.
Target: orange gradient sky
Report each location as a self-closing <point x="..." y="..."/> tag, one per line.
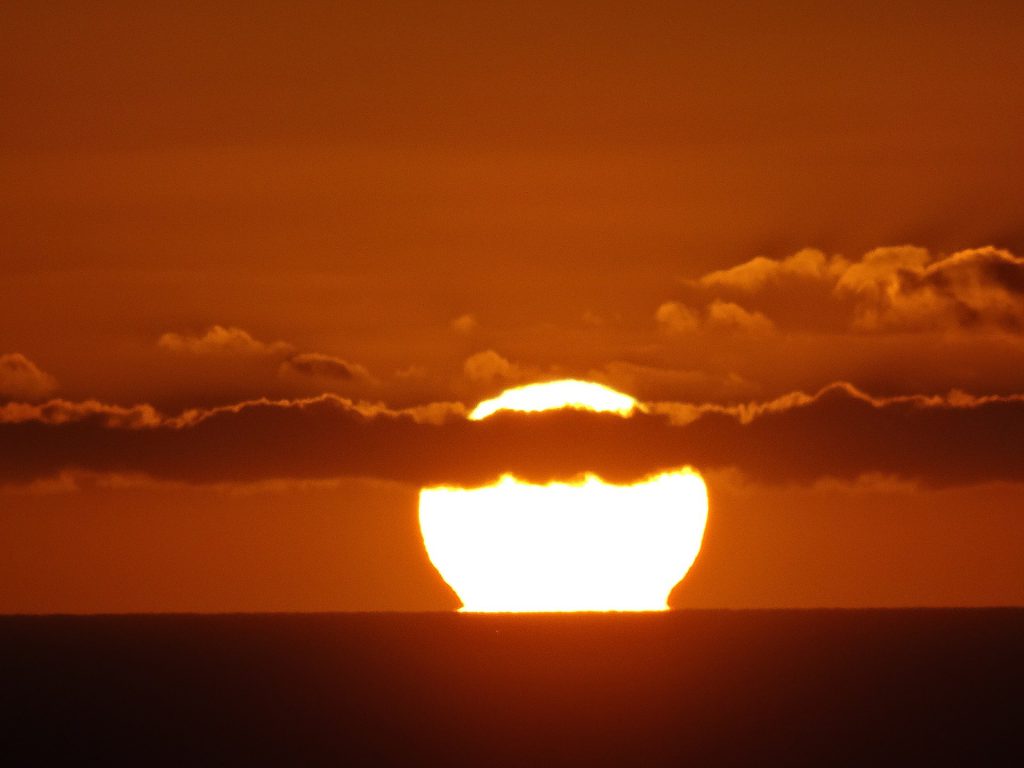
<point x="257" y="268"/>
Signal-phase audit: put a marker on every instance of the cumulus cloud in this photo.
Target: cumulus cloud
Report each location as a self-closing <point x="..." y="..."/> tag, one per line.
<point x="319" y="366"/>
<point x="753" y="275"/>
<point x="464" y="324"/>
<point x="896" y="288"/>
<point x="300" y="370"/>
<point x="676" y="318"/>
<point x="412" y="372"/>
<point x="907" y="289"/>
<point x="880" y="268"/>
<point x="838" y="432"/>
<point x="488" y="366"/>
<point x="22" y="379"/>
<point x="728" y="315"/>
<point x="221" y="340"/>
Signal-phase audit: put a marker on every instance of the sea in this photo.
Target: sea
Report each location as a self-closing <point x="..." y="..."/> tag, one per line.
<point x="689" y="687"/>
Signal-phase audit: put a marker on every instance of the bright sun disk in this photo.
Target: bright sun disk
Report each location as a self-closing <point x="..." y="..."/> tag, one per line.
<point x="586" y="545"/>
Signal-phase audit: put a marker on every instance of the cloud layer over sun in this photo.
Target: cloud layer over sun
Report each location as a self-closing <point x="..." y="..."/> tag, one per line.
<point x="838" y="432"/>
<point x="769" y="345"/>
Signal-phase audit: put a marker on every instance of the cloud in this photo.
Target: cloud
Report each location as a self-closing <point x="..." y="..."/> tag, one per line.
<point x="487" y="366"/>
<point x="680" y="414"/>
<point x="880" y="268"/>
<point x="755" y="274"/>
<point x="746" y="413"/>
<point x="57" y="412"/>
<point x="464" y="324"/>
<point x="221" y="340"/>
<point x="905" y="289"/>
<point x="319" y="366"/>
<point x="839" y="433"/>
<point x="676" y="317"/>
<point x="412" y="372"/>
<point x="429" y="413"/>
<point x="890" y="289"/>
<point x="22" y="379"/>
<point x="71" y="481"/>
<point x="727" y="315"/>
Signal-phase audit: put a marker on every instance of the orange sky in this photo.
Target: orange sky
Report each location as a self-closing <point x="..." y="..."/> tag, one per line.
<point x="794" y="231"/>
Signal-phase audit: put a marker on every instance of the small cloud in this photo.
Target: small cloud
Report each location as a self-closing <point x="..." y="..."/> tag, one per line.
<point x="727" y="315"/>
<point x="487" y="366"/>
<point x="676" y="317"/>
<point x="411" y="372"/>
<point x="21" y="378"/>
<point x="592" y="319"/>
<point x="317" y="365"/>
<point x="67" y="412"/>
<point x="464" y="324"/>
<point x="221" y="340"/>
<point x="753" y="275"/>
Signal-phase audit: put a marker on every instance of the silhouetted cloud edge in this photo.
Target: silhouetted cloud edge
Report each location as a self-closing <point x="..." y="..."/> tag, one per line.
<point x="838" y="432"/>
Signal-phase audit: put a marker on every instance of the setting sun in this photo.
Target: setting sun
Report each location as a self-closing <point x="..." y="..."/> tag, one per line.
<point x="549" y="395"/>
<point x="586" y="545"/>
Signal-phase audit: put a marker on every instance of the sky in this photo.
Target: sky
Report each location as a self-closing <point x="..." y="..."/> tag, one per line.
<point x="256" y="265"/>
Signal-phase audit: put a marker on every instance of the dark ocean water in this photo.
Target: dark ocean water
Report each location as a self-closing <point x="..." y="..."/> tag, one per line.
<point x="917" y="687"/>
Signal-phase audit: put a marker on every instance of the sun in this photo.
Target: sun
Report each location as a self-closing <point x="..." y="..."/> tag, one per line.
<point x="550" y="395"/>
<point x="586" y="545"/>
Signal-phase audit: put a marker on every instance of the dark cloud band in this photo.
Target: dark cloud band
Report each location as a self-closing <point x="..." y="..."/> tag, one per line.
<point x="837" y="433"/>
